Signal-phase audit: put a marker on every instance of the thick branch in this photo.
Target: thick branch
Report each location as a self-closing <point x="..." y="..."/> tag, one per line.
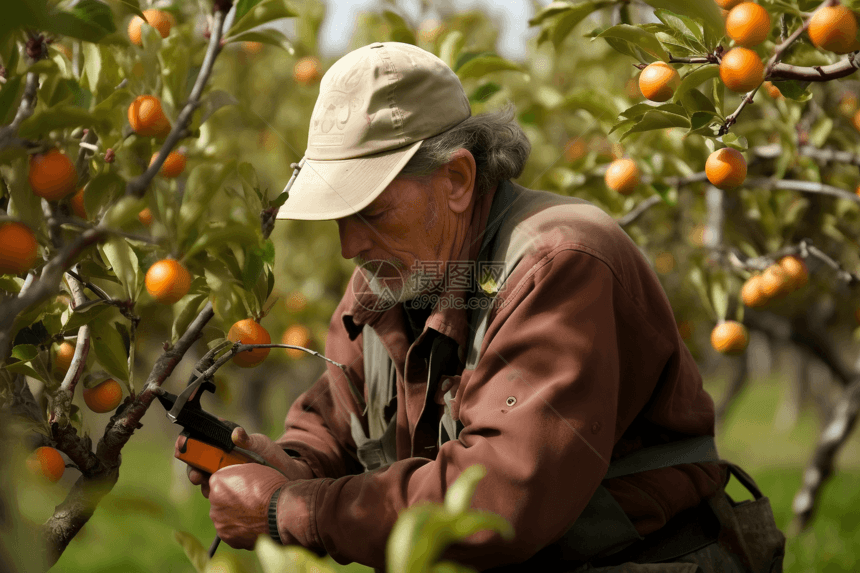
<point x="840" y="69"/>
<point x="138" y="186"/>
<point x="826" y="155"/>
<point x="639" y="210"/>
<point x="82" y="165"/>
<point x="63" y="396"/>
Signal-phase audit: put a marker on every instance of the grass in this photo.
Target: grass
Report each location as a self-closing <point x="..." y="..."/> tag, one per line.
<point x="132" y="529"/>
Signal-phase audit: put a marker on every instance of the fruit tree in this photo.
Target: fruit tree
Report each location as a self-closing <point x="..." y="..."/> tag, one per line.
<point x="140" y="177"/>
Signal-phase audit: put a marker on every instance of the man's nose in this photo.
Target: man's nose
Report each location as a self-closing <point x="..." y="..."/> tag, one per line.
<point x="354" y="237"/>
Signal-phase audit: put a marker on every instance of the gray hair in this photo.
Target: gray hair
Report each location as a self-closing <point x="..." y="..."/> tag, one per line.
<point x="497" y="142"/>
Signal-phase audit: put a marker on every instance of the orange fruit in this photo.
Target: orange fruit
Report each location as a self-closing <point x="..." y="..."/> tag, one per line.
<point x="147" y="118"/>
<point x="796" y="270"/>
<point x="775" y="282"/>
<point x="748" y="24"/>
<point x="63" y="357"/>
<point x="46" y="462"/>
<point x="727" y="4"/>
<point x="18" y="248"/>
<point x="730" y="337"/>
<point x="575" y="150"/>
<point x="167" y="281"/>
<point x="848" y="104"/>
<point x="685" y="329"/>
<point x="857" y="315"/>
<point x="622" y="176"/>
<point x="664" y="263"/>
<point x="252" y="47"/>
<point x="52" y="175"/>
<point x="77" y="204"/>
<point x="726" y="168"/>
<point x="296" y="302"/>
<point x="773" y="91"/>
<point x="297" y="335"/>
<point x="834" y="29"/>
<point x="248" y="331"/>
<point x="307" y="70"/>
<point x="658" y="81"/>
<point x="741" y="70"/>
<point x="145" y="216"/>
<point x="104" y="397"/>
<point x="751" y="293"/>
<point x="855" y="121"/>
<point x="158" y="19"/>
<point x="173" y="166"/>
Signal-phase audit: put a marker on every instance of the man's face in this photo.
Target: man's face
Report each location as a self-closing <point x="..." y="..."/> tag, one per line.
<point x="408" y="222"/>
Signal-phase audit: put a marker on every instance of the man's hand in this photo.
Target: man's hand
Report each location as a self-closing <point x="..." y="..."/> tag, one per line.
<point x="261" y="444"/>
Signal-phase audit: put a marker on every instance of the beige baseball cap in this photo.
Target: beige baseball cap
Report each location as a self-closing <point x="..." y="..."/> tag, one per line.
<point x="376" y="105"/>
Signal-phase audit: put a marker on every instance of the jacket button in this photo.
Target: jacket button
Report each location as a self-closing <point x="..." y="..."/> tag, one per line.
<point x="511" y="401"/>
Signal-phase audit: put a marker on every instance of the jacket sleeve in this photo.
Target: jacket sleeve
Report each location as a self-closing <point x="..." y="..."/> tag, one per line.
<point x="317" y="426"/>
<point x="540" y="412"/>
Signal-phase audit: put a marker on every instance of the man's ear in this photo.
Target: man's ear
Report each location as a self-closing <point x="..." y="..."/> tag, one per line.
<point x="461" y="172"/>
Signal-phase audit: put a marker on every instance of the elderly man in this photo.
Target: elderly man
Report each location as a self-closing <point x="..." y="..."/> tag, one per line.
<point x="485" y="324"/>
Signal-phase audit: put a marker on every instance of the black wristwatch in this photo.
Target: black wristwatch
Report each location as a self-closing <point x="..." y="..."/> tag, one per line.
<point x="273" y="517"/>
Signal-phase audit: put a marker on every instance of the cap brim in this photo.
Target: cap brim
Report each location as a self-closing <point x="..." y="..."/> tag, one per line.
<point x="334" y="189"/>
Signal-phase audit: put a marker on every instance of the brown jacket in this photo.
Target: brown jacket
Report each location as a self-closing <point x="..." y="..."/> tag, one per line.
<point x="582" y="337"/>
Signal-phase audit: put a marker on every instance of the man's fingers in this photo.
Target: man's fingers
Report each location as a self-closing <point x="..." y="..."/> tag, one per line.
<point x="196" y="476"/>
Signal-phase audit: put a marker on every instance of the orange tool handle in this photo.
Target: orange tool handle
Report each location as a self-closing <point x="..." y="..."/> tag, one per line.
<point x="208" y="458"/>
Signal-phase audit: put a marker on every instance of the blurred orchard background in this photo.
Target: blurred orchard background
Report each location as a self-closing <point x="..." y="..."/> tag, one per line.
<point x="570" y="89"/>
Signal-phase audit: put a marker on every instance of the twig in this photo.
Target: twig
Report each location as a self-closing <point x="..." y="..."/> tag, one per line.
<point x="775" y="150"/>
<point x="138" y="186"/>
<point x="62" y="399"/>
<point x="777" y="54"/>
<point x="639" y="210"/>
<point x="25" y="110"/>
<point x="96" y="290"/>
<point x="803" y="186"/>
<point x="82" y="164"/>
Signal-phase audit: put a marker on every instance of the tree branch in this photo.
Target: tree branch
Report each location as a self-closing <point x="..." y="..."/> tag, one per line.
<point x="25" y="110"/>
<point x="138" y="186"/>
<point x="840" y="69"/>
<point x="826" y="155"/>
<point x="802" y="186"/>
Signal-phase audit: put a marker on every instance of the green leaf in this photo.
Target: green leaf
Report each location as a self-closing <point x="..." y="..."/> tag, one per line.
<point x="400" y="29"/>
<point x="92" y="64"/>
<point x="242" y="8"/>
<point x="820" y="131"/>
<point x="484" y="92"/>
<point x="483" y="65"/>
<point x="280" y="199"/>
<point x="565" y="24"/>
<point x="123" y="212"/>
<point x="638" y="37"/>
<point x="264" y="12"/>
<point x="697" y="277"/>
<point x="451" y="46"/>
<point x="684" y="25"/>
<point x="101" y="191"/>
<point x="253" y="268"/>
<point x="58" y="117"/>
<point x="657" y="120"/>
<point x="186" y="310"/>
<point x="664" y="191"/>
<point x="217" y="236"/>
<point x="694" y="79"/>
<point x="735" y="142"/>
<point x="720" y="298"/>
<point x="110" y="348"/>
<point x="72" y="320"/>
<point x="124" y="264"/>
<point x="460" y="493"/>
<point x="707" y="12"/>
<point x="87" y="20"/>
<point x="701" y="119"/>
<point x="213" y="101"/>
<point x="194" y="550"/>
<point x="599" y="104"/>
<point x="26" y="370"/>
<point x="271" y="36"/>
<point x="694" y="101"/>
<point x="796" y="90"/>
<point x="113" y="105"/>
<point x="9" y="97"/>
<point x="641" y="109"/>
<point x="11" y="284"/>
<point x="204" y="181"/>
<point x="25" y="352"/>
<point x="553" y="9"/>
